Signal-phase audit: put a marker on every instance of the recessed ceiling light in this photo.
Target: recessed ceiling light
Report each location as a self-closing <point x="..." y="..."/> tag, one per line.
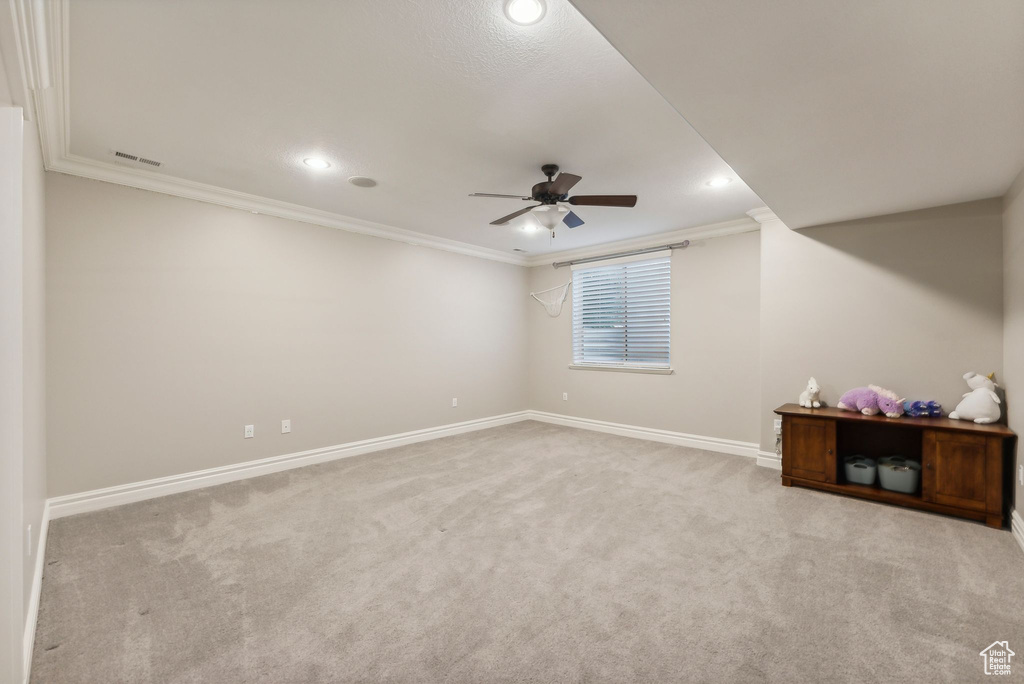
<point x="362" y="181"/>
<point x="525" y="12"/>
<point x="316" y="163"/>
<point x="719" y="182"/>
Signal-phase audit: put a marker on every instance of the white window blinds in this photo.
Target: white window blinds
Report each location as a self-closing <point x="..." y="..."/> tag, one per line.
<point x="620" y="313"/>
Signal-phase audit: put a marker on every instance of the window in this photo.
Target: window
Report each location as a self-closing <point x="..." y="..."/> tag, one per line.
<point x="620" y="314"/>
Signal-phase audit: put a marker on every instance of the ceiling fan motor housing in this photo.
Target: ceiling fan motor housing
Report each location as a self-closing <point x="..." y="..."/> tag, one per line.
<point x="541" y="193"/>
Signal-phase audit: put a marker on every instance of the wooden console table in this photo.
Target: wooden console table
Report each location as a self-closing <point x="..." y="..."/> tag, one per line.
<point x="963" y="465"/>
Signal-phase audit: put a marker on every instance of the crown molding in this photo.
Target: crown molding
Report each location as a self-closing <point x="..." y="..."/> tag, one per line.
<point x="43" y="40"/>
<point x="712" y="230"/>
<point x="146" y="180"/>
<point x="762" y="215"/>
<point x="47" y="62"/>
<point x="17" y="44"/>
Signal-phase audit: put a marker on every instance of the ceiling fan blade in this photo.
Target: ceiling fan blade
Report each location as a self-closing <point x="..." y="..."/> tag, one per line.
<point x="505" y="219"/>
<point x="603" y="200"/>
<point x="563" y="183"/>
<point x="572" y="220"/>
<point x="491" y="194"/>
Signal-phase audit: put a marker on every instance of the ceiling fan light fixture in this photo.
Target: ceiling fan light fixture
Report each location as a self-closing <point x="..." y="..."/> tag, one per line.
<point x="525" y="12"/>
<point x="719" y="182"/>
<point x="549" y="215"/>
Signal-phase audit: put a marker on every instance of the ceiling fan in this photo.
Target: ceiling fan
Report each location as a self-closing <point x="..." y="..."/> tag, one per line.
<point x="551" y="193"/>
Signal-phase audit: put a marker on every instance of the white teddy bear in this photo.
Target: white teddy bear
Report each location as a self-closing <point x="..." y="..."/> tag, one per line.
<point x="981" y="404"/>
<point x="809" y="397"/>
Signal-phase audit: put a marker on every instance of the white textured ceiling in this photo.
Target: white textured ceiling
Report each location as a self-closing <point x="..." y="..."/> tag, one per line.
<point x="840" y="109"/>
<point x="434" y="100"/>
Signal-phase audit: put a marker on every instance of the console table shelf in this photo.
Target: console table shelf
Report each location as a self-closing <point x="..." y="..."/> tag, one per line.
<point x="963" y="465"/>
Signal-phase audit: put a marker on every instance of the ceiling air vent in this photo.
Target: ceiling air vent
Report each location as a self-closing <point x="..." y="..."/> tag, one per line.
<point x="136" y="158"/>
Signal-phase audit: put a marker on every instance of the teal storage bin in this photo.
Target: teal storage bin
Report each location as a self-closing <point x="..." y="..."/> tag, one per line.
<point x="860" y="470"/>
<point x="899" y="474"/>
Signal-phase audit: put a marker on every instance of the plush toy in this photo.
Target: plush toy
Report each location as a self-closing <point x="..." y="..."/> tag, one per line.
<point x="870" y="400"/>
<point x="981" y="404"/>
<point x="922" y="409"/>
<point x="809" y="397"/>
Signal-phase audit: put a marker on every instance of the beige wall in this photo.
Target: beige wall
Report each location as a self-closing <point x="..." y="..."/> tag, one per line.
<point x="173" y="323"/>
<point x="353" y="337"/>
<point x="34" y="337"/>
<point x="22" y="348"/>
<point x="5" y="89"/>
<point x="714" y="389"/>
<point x="12" y="371"/>
<point x="909" y="301"/>
<point x="1013" y="324"/>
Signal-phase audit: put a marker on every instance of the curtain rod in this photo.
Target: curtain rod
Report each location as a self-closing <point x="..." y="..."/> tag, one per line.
<point x="675" y="245"/>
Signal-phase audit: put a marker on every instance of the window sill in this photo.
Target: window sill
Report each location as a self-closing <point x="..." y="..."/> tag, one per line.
<point x="622" y="369"/>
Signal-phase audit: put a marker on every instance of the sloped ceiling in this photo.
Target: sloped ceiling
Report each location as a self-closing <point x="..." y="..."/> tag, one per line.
<point x="836" y="109"/>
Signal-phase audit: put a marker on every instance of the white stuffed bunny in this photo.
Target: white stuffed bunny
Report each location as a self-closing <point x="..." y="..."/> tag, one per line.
<point x="981" y="404"/>
<point x="809" y="397"/>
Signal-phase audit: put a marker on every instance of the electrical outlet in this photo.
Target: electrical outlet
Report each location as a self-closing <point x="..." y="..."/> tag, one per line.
<point x="1020" y="474"/>
<point x="286" y="426"/>
<point x="565" y="396"/>
<point x="778" y="426"/>
<point x="28" y="541"/>
<point x="455" y="402"/>
<point x="250" y="431"/>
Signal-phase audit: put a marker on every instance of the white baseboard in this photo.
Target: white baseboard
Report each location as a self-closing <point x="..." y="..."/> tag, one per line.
<point x="97" y="499"/>
<point x="725" y="446"/>
<point x="94" y="500"/>
<point x="29" y="638"/>
<point x="1017" y="527"/>
<point x="769" y="459"/>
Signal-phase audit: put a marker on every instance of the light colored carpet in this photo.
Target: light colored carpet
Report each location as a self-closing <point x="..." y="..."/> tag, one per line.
<point x="527" y="553"/>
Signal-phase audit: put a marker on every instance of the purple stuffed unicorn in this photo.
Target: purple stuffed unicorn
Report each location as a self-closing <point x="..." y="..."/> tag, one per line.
<point x="872" y="399"/>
